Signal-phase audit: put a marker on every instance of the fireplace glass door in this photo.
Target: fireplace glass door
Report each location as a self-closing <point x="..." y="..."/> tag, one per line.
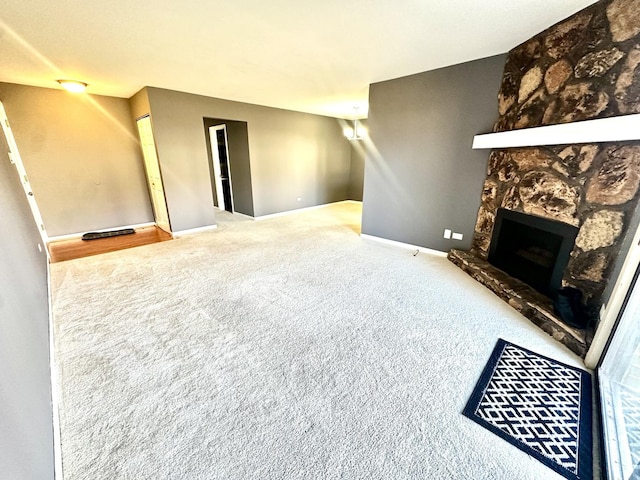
<point x="533" y="249"/>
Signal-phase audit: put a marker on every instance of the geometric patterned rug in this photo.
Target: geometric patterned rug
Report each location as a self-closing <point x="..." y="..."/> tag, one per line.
<point x="538" y="404"/>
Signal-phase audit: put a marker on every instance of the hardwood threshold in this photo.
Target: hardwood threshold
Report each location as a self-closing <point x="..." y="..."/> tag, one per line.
<point x="63" y="250"/>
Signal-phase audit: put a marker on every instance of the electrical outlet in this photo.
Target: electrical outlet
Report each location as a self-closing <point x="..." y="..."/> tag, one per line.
<point x="457" y="236"/>
<point x="447" y="233"/>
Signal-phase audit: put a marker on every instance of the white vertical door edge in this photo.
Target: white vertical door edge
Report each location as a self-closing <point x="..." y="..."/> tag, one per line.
<point x="226" y="148"/>
<point x="217" y="174"/>
<point x="16" y="160"/>
<point x="617" y="374"/>
<point x="609" y="313"/>
<point x="55" y="387"/>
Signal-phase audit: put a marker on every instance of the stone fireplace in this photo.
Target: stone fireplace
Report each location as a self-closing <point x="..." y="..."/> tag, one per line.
<point x="532" y="249"/>
<point x="585" y="67"/>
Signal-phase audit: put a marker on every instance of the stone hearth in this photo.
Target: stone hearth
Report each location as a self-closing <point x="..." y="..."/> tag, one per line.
<point x="530" y="303"/>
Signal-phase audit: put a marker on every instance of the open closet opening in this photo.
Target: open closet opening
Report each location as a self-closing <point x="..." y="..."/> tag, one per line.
<point x="227" y="143"/>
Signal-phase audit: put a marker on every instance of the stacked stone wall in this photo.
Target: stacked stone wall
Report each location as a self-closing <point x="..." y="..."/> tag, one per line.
<point x="585" y="67"/>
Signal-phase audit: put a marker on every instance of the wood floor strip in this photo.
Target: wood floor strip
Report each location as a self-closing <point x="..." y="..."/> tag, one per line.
<point x="63" y="250"/>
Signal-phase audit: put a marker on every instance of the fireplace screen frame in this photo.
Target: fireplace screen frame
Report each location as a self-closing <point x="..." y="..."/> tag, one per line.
<point x="566" y="232"/>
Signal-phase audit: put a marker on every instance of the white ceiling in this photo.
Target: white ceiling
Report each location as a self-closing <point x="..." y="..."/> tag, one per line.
<point x="312" y="56"/>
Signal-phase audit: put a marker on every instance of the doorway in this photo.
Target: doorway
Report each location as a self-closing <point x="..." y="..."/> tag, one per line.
<point x="228" y="140"/>
<point x="221" y="168"/>
<point x="154" y="176"/>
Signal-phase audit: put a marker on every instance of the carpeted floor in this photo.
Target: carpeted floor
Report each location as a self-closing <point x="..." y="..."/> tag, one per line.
<point x="288" y="348"/>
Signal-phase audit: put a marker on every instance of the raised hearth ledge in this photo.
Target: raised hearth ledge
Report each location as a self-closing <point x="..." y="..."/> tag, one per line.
<point x="612" y="129"/>
<point x="530" y="303"/>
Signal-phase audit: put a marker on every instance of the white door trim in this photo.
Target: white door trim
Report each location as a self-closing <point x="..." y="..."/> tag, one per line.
<point x="609" y="313"/>
<point x="16" y="160"/>
<point x="153" y="173"/>
<point x="217" y="172"/>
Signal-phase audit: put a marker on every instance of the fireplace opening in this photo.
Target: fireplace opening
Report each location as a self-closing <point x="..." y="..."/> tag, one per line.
<point x="532" y="249"/>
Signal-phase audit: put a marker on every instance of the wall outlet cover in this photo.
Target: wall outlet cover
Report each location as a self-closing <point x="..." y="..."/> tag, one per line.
<point x="447" y="233"/>
<point x="457" y="236"/>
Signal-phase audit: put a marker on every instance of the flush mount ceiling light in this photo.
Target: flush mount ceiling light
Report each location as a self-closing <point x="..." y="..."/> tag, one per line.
<point x="358" y="132"/>
<point x="73" y="86"/>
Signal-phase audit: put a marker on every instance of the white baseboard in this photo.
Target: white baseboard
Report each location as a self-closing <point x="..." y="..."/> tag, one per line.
<point x="300" y="210"/>
<point x="243" y="215"/>
<point x="404" y="245"/>
<point x="190" y="231"/>
<point x="71" y="236"/>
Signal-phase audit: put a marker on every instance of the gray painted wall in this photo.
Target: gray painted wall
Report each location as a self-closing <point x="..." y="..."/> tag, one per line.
<point x="421" y="175"/>
<point x="293" y="155"/>
<point x="239" y="162"/>
<point x="26" y="438"/>
<point x="82" y="156"/>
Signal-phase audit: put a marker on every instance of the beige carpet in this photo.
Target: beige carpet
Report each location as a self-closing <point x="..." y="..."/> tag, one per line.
<point x="288" y="348"/>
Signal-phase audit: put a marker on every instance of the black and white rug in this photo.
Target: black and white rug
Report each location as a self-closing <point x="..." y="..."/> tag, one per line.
<point x="541" y="406"/>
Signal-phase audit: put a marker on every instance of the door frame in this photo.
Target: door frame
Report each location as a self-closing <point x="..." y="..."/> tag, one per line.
<point x="619" y="362"/>
<point x="217" y="171"/>
<point x="156" y="164"/>
<point x="16" y="160"/>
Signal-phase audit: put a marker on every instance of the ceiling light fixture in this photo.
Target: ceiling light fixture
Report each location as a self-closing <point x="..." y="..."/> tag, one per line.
<point x="73" y="86"/>
<point x="358" y="132"/>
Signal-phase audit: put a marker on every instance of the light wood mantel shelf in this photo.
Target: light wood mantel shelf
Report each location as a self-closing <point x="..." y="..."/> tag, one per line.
<point x="612" y="129"/>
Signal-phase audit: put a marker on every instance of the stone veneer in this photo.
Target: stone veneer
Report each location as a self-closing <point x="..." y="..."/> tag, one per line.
<point x="582" y="68"/>
<point x="585" y="67"/>
<point x="593" y="187"/>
